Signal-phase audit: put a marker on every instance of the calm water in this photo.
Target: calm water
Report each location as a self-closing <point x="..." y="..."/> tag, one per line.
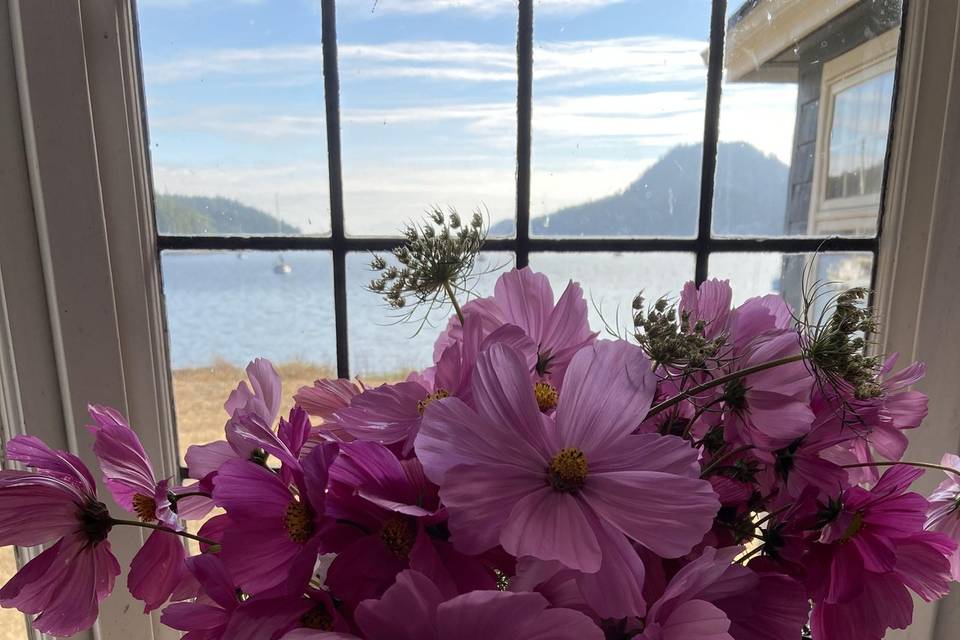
<point x="233" y="306"/>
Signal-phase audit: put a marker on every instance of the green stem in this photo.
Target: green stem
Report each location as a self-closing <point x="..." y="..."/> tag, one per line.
<point x="147" y="525"/>
<point x="453" y="301"/>
<point x="178" y="496"/>
<point x="716" y="382"/>
<point x="883" y="463"/>
<point x="742" y="559"/>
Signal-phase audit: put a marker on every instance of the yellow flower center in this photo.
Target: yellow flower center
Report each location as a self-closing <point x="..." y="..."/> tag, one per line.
<point x="855" y="526"/>
<point x="145" y="506"/>
<point x="547" y="396"/>
<point x="318" y="618"/>
<point x="439" y="394"/>
<point x="398" y="535"/>
<point x="568" y="470"/>
<point x="298" y="522"/>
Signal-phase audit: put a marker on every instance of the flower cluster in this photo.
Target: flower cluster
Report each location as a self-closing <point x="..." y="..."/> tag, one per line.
<point x="717" y="477"/>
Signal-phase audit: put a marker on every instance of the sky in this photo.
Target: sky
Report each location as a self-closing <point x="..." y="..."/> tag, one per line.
<point x="235" y="102"/>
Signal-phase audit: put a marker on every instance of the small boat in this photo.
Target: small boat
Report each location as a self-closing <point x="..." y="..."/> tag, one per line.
<point x="282" y="268"/>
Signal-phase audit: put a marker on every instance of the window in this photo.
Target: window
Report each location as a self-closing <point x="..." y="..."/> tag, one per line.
<point x="857" y="93"/>
<point x="630" y="144"/>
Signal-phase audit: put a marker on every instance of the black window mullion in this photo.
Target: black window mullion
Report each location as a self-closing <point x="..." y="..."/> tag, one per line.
<point x="524" y="122"/>
<point x="331" y="91"/>
<point x="711" y="126"/>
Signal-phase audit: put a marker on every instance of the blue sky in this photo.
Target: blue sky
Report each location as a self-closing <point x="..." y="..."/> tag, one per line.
<point x="235" y="102"/>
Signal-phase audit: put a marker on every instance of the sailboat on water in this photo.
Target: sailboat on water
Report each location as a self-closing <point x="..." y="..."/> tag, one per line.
<point x="281" y="268"/>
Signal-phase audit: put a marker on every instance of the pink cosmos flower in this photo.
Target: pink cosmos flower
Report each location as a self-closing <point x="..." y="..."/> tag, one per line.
<point x="158" y="567"/>
<point x="769" y="409"/>
<point x="392" y="413"/>
<point x="261" y="398"/>
<point x="708" y="304"/>
<point x="326" y="396"/>
<point x="415" y="609"/>
<point x="944" y="513"/>
<point x="556" y="487"/>
<point x="273" y="533"/>
<point x="874" y="549"/>
<point x="524" y="299"/>
<point x="387" y="521"/>
<point x="57" y="503"/>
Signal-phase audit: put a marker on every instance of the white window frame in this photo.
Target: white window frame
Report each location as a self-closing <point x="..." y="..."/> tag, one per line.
<point x="858" y="214"/>
<point x="80" y="305"/>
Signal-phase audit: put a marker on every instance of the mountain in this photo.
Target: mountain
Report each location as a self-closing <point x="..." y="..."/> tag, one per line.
<point x="195" y="215"/>
<point x="750" y="199"/>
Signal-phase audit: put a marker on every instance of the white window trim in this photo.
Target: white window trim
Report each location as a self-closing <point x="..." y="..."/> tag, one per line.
<point x="858" y="214"/>
<point x="80" y="303"/>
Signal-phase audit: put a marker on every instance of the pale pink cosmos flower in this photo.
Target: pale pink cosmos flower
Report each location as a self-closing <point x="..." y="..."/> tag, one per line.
<point x="57" y="503"/>
<point x="524" y="298"/>
<point x="158" y="568"/>
<point x="415" y="609"/>
<point x="391" y="414"/>
<point x="559" y="487"/>
<point x="944" y="513"/>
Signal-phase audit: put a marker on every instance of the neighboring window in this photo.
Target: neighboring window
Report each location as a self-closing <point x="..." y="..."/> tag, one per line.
<point x="855" y="103"/>
<point x="609" y="141"/>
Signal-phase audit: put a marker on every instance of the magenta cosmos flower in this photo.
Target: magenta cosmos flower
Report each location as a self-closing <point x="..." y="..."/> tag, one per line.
<point x="275" y="519"/>
<point x="386" y="520"/>
<point x="944" y="513"/>
<point x="58" y="504"/>
<point x="524" y="299"/>
<point x="553" y="487"/>
<point x="158" y="568"/>
<point x="415" y="609"/>
<point x="870" y="554"/>
<point x="218" y="613"/>
<point x="714" y="598"/>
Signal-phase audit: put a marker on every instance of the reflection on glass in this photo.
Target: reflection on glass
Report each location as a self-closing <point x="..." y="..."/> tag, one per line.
<point x="226" y="308"/>
<point x="235" y="110"/>
<point x="611" y="280"/>
<point x="382" y="345"/>
<point x="618" y="117"/>
<point x="796" y="114"/>
<point x="791" y="275"/>
<point x="858" y="138"/>
<point x="428" y="111"/>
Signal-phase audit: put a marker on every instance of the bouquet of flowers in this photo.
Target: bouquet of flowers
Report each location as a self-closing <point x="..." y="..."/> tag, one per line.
<point x="718" y="472"/>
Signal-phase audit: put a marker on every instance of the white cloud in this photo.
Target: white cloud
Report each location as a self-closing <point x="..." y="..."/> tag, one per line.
<point x="636" y="60"/>
<point x="480" y="7"/>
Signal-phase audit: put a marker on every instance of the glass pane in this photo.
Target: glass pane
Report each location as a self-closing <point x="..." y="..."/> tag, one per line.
<point x="757" y="274"/>
<point x="12" y="624"/>
<point x="381" y="348"/>
<point x="804" y="123"/>
<point x="235" y="110"/>
<point x="611" y="280"/>
<point x="858" y="138"/>
<point x="225" y="308"/>
<point x="428" y="110"/>
<point x="618" y="114"/>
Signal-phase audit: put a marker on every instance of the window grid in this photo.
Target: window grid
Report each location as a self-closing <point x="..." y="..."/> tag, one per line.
<point x="704" y="244"/>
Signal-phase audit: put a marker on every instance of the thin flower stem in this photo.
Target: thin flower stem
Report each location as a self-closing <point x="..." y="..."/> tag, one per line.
<point x="716" y="382"/>
<point x="453" y="301"/>
<point x="147" y="525"/>
<point x="771" y="515"/>
<point x="742" y="559"/>
<point x="714" y="463"/>
<point x="883" y="463"/>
